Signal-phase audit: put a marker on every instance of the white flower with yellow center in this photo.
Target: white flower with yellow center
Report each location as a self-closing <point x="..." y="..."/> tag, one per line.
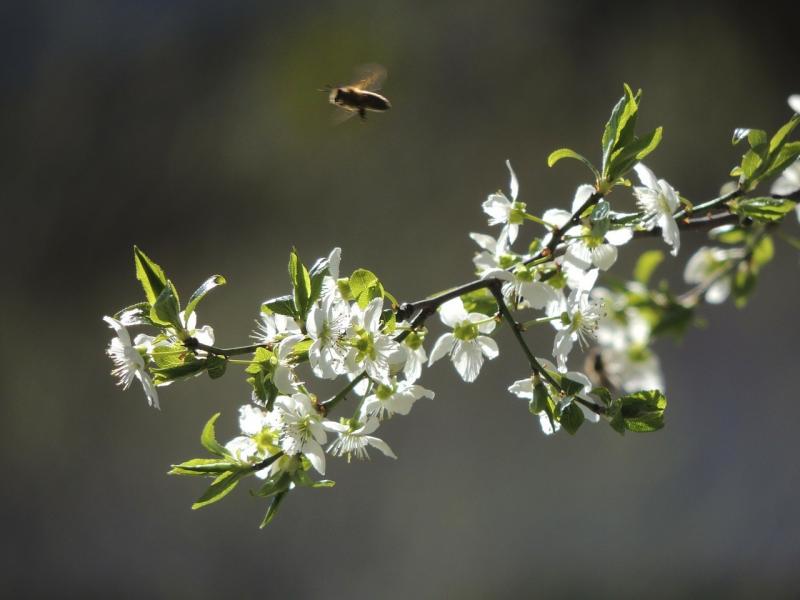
<point x="577" y="320"/>
<point x="395" y="398"/>
<point x="260" y="439"/>
<point x="128" y="359"/>
<point x="415" y="357"/>
<point x="658" y="202"/>
<point x="301" y="429"/>
<point x="354" y="438"/>
<point x="466" y="344"/>
<point x="327" y="325"/>
<point x="508" y="213"/>
<point x="370" y="349"/>
<point x="272" y="326"/>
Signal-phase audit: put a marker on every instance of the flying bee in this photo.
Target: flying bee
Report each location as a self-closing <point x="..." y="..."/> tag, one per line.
<point x="359" y="97"/>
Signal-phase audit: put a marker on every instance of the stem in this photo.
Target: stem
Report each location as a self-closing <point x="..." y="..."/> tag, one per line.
<point x="329" y="404"/>
<point x="266" y="462"/>
<point x="540" y="321"/>
<point x="536" y="366"/>
<point x="710" y="204"/>
<point x="193" y="344"/>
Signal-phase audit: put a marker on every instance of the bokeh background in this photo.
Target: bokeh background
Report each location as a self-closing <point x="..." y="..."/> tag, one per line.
<point x="194" y="130"/>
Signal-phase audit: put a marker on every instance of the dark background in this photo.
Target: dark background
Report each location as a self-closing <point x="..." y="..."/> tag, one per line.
<point x="195" y="131"/>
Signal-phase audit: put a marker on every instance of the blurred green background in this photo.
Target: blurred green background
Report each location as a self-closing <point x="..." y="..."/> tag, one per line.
<point x="194" y="130"/>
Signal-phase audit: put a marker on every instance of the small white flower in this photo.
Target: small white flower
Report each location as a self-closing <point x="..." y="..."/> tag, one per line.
<point x="521" y="285"/>
<point x="261" y="431"/>
<point x="330" y="289"/>
<point x="354" y="438"/>
<point x="128" y="361"/>
<point x="579" y="315"/>
<point x="371" y="350"/>
<point x="415" y="358"/>
<point x="465" y="345"/>
<point x="272" y="326"/>
<point x="302" y="430"/>
<point x="284" y="377"/>
<point x="708" y="265"/>
<point x="396" y="398"/>
<point x="659" y="201"/>
<point x="627" y="361"/>
<point x="494" y="254"/>
<point x="204" y="334"/>
<point x="327" y="325"/>
<point x="587" y="250"/>
<point x="523" y="388"/>
<point x="502" y="211"/>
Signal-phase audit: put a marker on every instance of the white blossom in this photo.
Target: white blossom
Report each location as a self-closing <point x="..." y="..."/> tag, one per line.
<point x="659" y="202"/>
<point x="354" y="438"/>
<point x="302" y="430"/>
<point x="523" y="388"/>
<point x="415" y="356"/>
<point x="707" y="266"/>
<point x="494" y="254"/>
<point x="128" y="361"/>
<point x="579" y="315"/>
<point x="371" y="350"/>
<point x="626" y="359"/>
<point x="271" y="326"/>
<point x="508" y="213"/>
<point x="465" y="344"/>
<point x="395" y="398"/>
<point x="587" y="249"/>
<point x="204" y="334"/>
<point x="260" y="439"/>
<point x="327" y="325"/>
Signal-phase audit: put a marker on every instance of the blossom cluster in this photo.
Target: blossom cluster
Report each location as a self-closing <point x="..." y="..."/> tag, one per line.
<point x="350" y="329"/>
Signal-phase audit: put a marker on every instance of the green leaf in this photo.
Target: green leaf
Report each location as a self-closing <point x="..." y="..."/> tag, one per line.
<point x="189" y="367"/>
<point x="728" y="234"/>
<point x="209" y="439"/>
<point x="365" y="286"/>
<point x="779" y="139"/>
<point x="783" y="158"/>
<point x="222" y="486"/>
<point x="601" y="211"/>
<point x="273" y="509"/>
<point x="205" y="287"/>
<point x="202" y="466"/>
<point x="480" y="301"/>
<point x="744" y="282"/>
<point x="282" y="305"/>
<point x="765" y="209"/>
<point x="301" y="284"/>
<point x="166" y="309"/>
<point x="646" y="265"/>
<point x="274" y="485"/>
<point x="643" y="411"/>
<point x="611" y="131"/>
<point x="135" y="314"/>
<point x="318" y="272"/>
<point x="570" y="387"/>
<point x="626" y="157"/>
<point x="302" y="478"/>
<point x="557" y="155"/>
<point x="571" y="418"/>
<point x="216" y="366"/>
<point x="603" y="395"/>
<point x="149" y="274"/>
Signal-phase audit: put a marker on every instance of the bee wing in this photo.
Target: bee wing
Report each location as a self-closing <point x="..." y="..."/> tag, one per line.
<point x="341" y="115"/>
<point x="370" y="77"/>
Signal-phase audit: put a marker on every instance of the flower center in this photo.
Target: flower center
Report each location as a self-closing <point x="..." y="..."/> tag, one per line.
<point x="364" y="343"/>
<point x="517" y="214"/>
<point x="466" y="331"/>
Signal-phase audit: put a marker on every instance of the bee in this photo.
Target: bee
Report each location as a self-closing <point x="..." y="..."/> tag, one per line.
<point x="359" y="97"/>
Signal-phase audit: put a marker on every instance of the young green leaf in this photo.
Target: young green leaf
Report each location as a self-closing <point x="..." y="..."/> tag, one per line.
<point x="202" y="466"/>
<point x="166" y="309"/>
<point x="273" y="509"/>
<point x="301" y="284"/>
<point x="221" y="487"/>
<point x="765" y="209"/>
<point x="557" y="155"/>
<point x="571" y="418"/>
<point x="205" y="287"/>
<point x="643" y="411"/>
<point x="209" y="439"/>
<point x="282" y="305"/>
<point x="149" y="274"/>
<point x="365" y="286"/>
<point x="647" y="263"/>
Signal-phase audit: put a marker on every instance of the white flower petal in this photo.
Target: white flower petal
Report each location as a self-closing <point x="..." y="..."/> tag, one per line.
<point x="646" y="176"/>
<point x="488" y="347"/>
<point x="467" y="359"/>
<point x="582" y="194"/>
<point x="442" y="347"/>
<point x="315" y="455"/>
<point x="452" y="312"/>
<point x="514" y="184"/>
<point x="380" y="445"/>
<point x="604" y="256"/>
<point x="618" y="237"/>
